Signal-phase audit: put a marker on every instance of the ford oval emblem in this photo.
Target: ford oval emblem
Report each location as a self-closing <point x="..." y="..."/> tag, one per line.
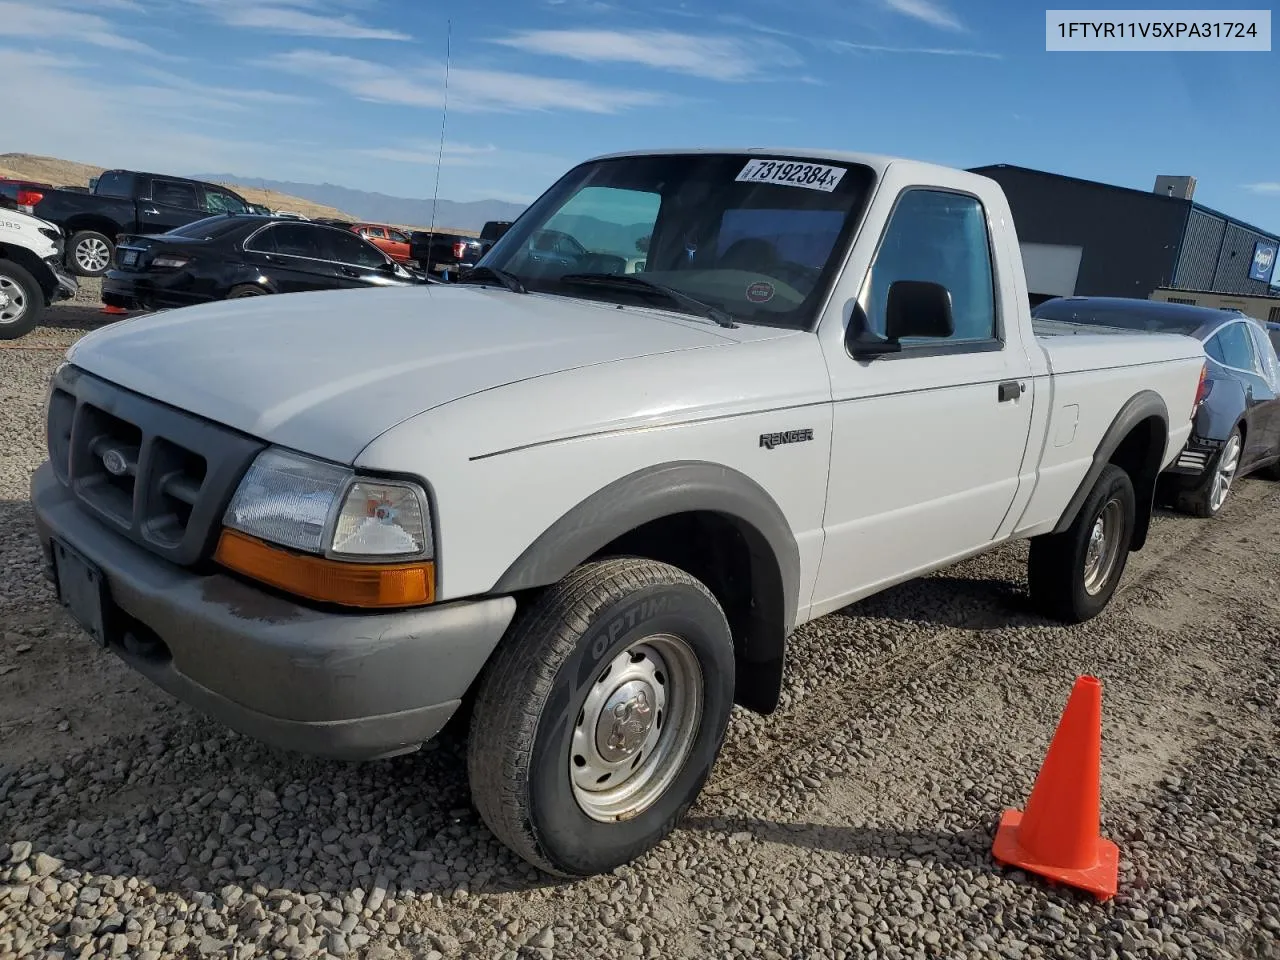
<point x="115" y="463"/>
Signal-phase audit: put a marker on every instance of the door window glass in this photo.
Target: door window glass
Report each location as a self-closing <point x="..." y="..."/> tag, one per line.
<point x="290" y="240"/>
<point x="347" y="247"/>
<point x="1267" y="358"/>
<point x="397" y="236"/>
<point x="174" y="194"/>
<point x="941" y="238"/>
<point x="1232" y="346"/>
<point x="374" y="233"/>
<point x="219" y="201"/>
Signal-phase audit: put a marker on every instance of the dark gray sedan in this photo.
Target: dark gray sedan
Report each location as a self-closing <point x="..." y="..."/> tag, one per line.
<point x="1237" y="420"/>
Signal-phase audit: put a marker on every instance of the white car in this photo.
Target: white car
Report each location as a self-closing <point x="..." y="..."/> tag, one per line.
<point x="583" y="508"/>
<point x="31" y="272"/>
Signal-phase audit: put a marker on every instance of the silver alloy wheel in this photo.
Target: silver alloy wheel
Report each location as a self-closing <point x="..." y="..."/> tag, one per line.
<point x="636" y="728"/>
<point x="13" y="300"/>
<point x="92" y="255"/>
<point x="1224" y="472"/>
<point x="1104" y="546"/>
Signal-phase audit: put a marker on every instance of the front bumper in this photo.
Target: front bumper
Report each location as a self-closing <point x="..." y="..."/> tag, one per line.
<point x="66" y="285"/>
<point x="355" y="686"/>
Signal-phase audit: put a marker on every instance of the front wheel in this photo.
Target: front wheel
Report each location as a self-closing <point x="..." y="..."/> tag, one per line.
<point x="21" y="301"/>
<point x="246" y="290"/>
<point x="1072" y="575"/>
<point x="599" y="718"/>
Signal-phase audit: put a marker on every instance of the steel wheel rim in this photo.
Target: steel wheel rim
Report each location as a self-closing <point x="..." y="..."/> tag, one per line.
<point x="13" y="300"/>
<point x="636" y="728"/>
<point x="92" y="254"/>
<point x="1103" y="548"/>
<point x="1224" y="473"/>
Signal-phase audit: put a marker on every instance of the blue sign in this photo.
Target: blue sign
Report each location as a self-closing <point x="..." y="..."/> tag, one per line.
<point x="1264" y="262"/>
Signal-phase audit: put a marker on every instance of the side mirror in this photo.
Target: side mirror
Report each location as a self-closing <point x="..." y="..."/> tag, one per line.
<point x="913" y="308"/>
<point x="388" y="266"/>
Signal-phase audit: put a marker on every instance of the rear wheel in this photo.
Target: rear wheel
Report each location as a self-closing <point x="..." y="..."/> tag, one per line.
<point x="599" y="718"/>
<point x="1208" y="498"/>
<point x="91" y="253"/>
<point x="1072" y="575"/>
<point x="21" y="301"/>
<point x="245" y="290"/>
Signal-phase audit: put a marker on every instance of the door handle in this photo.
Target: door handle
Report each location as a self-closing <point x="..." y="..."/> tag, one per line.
<point x="350" y="271"/>
<point x="152" y="212"/>
<point x="1010" y="390"/>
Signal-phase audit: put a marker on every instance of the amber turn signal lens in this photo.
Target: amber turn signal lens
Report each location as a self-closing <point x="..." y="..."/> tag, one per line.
<point x="329" y="581"/>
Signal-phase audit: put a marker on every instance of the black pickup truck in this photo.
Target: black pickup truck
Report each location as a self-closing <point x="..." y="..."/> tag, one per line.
<point x="434" y="252"/>
<point x="128" y="202"/>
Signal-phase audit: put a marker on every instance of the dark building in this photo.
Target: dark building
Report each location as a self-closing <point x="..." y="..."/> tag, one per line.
<point x="1094" y="239"/>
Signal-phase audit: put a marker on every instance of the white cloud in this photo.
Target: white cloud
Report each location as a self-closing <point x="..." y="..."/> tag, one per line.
<point x="469" y="89"/>
<point x="53" y="23"/>
<point x="81" y="118"/>
<point x="1270" y="188"/>
<point x="926" y="11"/>
<point x="710" y="57"/>
<point x="305" y="18"/>
<point x="922" y="51"/>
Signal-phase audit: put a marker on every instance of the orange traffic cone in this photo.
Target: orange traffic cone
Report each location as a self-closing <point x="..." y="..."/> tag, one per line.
<point x="1057" y="837"/>
<point x="114" y="311"/>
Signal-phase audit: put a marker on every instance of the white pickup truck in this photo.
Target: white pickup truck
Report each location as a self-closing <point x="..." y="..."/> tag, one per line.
<point x="31" y="274"/>
<point x="585" y="497"/>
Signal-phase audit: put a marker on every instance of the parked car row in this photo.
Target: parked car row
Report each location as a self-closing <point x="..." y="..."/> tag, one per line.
<point x="579" y="500"/>
<point x="244" y="255"/>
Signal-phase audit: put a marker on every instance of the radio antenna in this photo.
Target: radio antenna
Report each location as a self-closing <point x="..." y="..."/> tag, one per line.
<point x="444" y="120"/>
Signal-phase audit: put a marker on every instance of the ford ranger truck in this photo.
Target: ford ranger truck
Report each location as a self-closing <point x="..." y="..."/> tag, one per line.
<point x="582" y="508"/>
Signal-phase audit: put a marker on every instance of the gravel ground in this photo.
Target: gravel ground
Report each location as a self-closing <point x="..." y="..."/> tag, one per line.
<point x="855" y="822"/>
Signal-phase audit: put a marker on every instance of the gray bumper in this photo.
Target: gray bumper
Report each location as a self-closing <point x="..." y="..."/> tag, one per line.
<point x="67" y="285"/>
<point x="349" y="685"/>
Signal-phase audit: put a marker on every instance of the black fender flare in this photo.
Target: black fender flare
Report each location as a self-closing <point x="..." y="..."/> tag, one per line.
<point x="1141" y="406"/>
<point x="665" y="490"/>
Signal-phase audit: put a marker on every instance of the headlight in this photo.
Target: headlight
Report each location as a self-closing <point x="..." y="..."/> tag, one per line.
<point x="368" y="541"/>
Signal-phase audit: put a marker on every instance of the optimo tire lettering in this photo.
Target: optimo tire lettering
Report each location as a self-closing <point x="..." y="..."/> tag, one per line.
<point x="646" y="609"/>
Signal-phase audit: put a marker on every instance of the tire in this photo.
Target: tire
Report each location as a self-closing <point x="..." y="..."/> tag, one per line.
<point x="21" y="301"/>
<point x="1209" y="497"/>
<point x="535" y="757"/>
<point x="1063" y="581"/>
<point x="246" y="290"/>
<point x="89" y="254"/>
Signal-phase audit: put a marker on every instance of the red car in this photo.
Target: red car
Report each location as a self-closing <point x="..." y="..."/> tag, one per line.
<point x="387" y="239"/>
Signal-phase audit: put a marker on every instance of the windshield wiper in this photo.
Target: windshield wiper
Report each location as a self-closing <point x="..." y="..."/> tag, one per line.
<point x="480" y="274"/>
<point x="625" y="281"/>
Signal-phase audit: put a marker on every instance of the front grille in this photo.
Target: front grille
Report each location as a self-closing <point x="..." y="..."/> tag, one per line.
<point x="159" y="476"/>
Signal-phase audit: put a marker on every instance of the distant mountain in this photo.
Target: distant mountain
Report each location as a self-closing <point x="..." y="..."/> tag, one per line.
<point x="381" y="208"/>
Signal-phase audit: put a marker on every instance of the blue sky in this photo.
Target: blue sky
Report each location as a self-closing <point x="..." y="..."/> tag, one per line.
<point x="350" y="91"/>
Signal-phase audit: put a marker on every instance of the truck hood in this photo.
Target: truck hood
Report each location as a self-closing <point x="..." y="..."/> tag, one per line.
<point x="326" y="373"/>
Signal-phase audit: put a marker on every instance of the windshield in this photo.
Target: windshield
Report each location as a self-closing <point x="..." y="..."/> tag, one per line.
<point x="1136" y="315"/>
<point x="758" y="237"/>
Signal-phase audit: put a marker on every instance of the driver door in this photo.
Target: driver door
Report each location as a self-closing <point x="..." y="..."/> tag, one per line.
<point x="928" y="443"/>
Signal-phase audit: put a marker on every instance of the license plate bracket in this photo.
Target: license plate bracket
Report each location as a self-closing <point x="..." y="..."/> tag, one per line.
<point x="128" y="257"/>
<point x="82" y="589"/>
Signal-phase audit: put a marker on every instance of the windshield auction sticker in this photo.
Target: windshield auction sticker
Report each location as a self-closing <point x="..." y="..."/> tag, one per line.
<point x="792" y="173"/>
<point x="1158" y="30"/>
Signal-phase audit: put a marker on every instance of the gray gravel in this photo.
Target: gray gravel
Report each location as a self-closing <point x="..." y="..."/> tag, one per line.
<point x="855" y="822"/>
